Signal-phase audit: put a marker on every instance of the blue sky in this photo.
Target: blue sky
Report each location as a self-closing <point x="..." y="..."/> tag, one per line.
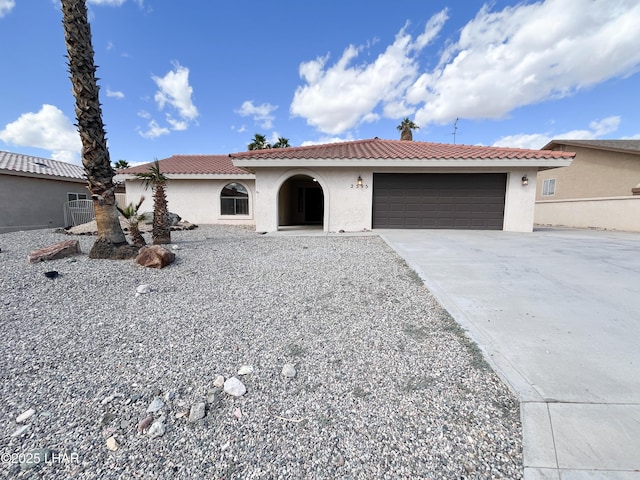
<point x="204" y="76"/>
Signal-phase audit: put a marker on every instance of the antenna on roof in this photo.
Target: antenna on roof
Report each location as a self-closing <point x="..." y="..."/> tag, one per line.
<point x="455" y="129"/>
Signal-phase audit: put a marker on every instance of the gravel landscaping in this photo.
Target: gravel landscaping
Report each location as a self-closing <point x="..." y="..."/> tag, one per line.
<point x="384" y="384"/>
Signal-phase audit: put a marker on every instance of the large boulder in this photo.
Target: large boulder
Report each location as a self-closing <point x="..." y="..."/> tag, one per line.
<point x="155" y="256"/>
<point x="55" y="251"/>
<point x="174" y="218"/>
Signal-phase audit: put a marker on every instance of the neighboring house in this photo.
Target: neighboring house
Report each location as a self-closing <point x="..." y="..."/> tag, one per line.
<point x="202" y="189"/>
<point x="34" y="191"/>
<point x="600" y="189"/>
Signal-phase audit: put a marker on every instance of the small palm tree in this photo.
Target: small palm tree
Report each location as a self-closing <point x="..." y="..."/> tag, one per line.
<point x="154" y="178"/>
<point x="130" y="212"/>
<point x="281" y="143"/>
<point x="120" y="164"/>
<point x="406" y="128"/>
<point x="259" y="143"/>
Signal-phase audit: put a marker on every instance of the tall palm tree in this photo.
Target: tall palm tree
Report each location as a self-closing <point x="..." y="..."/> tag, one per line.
<point x="111" y="241"/>
<point x="406" y="128"/>
<point x="259" y="142"/>
<point x="154" y="178"/>
<point x="281" y="143"/>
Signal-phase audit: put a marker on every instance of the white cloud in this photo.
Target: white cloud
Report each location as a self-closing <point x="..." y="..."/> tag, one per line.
<point x="527" y="54"/>
<point x="48" y="129"/>
<point x="338" y="97"/>
<point x="262" y="113"/>
<point x="114" y="94"/>
<point x="501" y="60"/>
<point x="175" y="91"/>
<point x="597" y="128"/>
<point x="154" y="130"/>
<point x="325" y="140"/>
<point x="6" y="6"/>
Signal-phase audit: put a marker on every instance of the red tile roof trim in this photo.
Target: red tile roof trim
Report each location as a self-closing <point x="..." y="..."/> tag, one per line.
<point x="398" y="149"/>
<point x="192" y="164"/>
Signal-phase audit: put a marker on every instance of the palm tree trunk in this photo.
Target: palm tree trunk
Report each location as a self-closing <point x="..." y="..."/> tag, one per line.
<point x="111" y="242"/>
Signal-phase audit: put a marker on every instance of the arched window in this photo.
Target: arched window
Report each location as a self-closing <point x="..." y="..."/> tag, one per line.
<point x="234" y="200"/>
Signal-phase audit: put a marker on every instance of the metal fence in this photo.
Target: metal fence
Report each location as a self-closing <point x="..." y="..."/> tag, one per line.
<point x="77" y="212"/>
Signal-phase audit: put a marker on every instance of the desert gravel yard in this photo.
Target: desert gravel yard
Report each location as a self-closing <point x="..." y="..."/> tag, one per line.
<point x="386" y="385"/>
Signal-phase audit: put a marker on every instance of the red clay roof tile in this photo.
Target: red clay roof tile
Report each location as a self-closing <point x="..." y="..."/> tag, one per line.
<point x="391" y="149"/>
<point x="191" y="164"/>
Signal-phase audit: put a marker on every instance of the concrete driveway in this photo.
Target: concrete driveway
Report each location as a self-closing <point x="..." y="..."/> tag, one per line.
<point x="557" y="313"/>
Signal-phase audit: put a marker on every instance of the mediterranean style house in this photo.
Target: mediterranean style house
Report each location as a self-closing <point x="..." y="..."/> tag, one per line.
<point x="356" y="186"/>
<point x="600" y="189"/>
<point x="34" y="191"/>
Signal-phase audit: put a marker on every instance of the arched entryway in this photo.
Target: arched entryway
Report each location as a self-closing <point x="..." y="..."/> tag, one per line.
<point x="300" y="202"/>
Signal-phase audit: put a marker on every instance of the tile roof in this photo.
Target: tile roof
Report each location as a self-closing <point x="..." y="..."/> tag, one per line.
<point x="397" y="149"/>
<point x="36" y="166"/>
<point x="628" y="146"/>
<point x="191" y="164"/>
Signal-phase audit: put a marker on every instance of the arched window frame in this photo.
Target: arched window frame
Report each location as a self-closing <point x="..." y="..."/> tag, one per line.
<point x="231" y="205"/>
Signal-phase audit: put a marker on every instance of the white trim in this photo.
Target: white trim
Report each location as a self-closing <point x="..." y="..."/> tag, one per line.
<point x="590" y="199"/>
<point x="192" y="176"/>
<point x="403" y="162"/>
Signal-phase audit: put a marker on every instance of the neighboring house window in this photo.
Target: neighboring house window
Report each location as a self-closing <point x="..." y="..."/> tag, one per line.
<point x="549" y="187"/>
<point x="77" y="196"/>
<point x="234" y="200"/>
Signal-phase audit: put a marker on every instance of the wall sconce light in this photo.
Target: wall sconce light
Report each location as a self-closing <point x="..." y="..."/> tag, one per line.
<point x="525" y="181"/>
<point x="359" y="183"/>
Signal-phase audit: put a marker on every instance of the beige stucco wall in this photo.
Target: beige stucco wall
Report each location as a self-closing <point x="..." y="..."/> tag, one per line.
<point x="617" y="213"/>
<point x="350" y="209"/>
<point x="196" y="201"/>
<point x="593" y="173"/>
<point x="28" y="203"/>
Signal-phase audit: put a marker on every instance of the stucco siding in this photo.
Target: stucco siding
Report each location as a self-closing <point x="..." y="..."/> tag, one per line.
<point x="196" y="201"/>
<point x="617" y="213"/>
<point x="28" y="203"/>
<point x="349" y="208"/>
<point x="593" y="173"/>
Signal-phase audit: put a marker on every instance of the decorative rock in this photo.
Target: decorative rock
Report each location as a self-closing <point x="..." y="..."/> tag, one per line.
<point x="55" y="251"/>
<point x="197" y="412"/>
<point x="25" y="415"/>
<point x="51" y="274"/>
<point x="157" y="429"/>
<point x="155" y="405"/>
<point x="234" y="387"/>
<point x="213" y="395"/>
<point x="144" y="423"/>
<point x="219" y="381"/>
<point x="289" y="370"/>
<point x="245" y="370"/>
<point x="155" y="256"/>
<point x="237" y="413"/>
<point x="143" y="289"/>
<point x="19" y="431"/>
<point x="181" y="414"/>
<point x="112" y="444"/>
<point x="175" y="247"/>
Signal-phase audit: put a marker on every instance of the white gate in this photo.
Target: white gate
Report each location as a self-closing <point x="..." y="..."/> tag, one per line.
<point x="77" y="212"/>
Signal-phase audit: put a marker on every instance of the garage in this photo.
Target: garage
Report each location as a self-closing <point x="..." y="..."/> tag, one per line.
<point x="472" y="201"/>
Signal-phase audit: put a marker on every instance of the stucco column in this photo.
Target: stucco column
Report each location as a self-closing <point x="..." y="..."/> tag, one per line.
<point x="520" y="201"/>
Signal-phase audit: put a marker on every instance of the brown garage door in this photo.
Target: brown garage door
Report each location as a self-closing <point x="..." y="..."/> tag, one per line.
<point x="439" y="200"/>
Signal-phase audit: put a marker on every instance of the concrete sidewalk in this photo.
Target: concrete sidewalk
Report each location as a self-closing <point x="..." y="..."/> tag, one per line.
<point x="557" y="313"/>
